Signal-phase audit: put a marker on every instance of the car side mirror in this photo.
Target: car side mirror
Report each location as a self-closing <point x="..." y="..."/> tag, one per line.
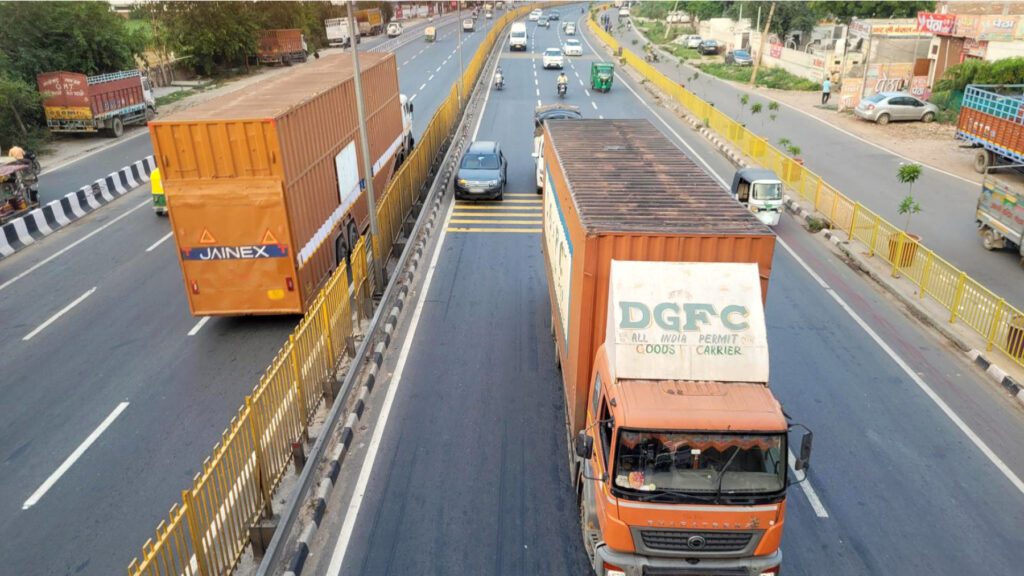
<point x="804" y="460"/>
<point x="584" y="445"/>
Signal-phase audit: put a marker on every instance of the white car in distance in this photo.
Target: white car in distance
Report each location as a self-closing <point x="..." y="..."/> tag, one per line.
<point x="535" y="15"/>
<point x="553" y="58"/>
<point x="572" y="47"/>
<point x="570" y="29"/>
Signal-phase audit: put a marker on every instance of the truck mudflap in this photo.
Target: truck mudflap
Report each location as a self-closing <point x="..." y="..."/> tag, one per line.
<point x="637" y="565"/>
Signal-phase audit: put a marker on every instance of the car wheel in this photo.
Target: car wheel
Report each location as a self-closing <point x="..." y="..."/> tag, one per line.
<point x="501" y="193"/>
<point x="928" y="117"/>
<point x="882" y="119"/>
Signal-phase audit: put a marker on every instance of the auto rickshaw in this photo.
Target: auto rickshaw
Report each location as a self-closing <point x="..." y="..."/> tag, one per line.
<point x="760" y="191"/>
<point x="19" y="188"/>
<point x="430" y="34"/>
<point x="157" y="188"/>
<point x="601" y="75"/>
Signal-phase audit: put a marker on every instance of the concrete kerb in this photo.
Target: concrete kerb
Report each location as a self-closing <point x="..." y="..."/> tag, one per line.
<point x="422" y="231"/>
<point x="45" y="220"/>
<point x="995" y="373"/>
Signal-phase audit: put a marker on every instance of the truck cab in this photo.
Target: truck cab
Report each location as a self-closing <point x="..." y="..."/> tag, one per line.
<point x="682" y="462"/>
<point x="760" y="191"/>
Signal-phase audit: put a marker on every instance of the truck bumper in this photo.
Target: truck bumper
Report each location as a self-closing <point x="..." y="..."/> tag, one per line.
<point x="635" y="565"/>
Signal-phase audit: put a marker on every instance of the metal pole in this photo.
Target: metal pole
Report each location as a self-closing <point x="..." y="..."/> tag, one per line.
<point x="458" y="25"/>
<point x="371" y="200"/>
<point x="760" y="50"/>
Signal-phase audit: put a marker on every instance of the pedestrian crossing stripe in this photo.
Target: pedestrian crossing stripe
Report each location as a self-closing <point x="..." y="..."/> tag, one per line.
<point x="508" y="208"/>
<point x="495" y="215"/>
<point x="532" y="221"/>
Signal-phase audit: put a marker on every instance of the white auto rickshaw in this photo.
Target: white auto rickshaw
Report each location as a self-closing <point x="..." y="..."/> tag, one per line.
<point x="760" y="190"/>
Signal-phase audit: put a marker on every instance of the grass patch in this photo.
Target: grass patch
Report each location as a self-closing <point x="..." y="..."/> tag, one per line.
<point x="768" y="77"/>
<point x="174" y="97"/>
<point x="681" y="52"/>
<point x="659" y="33"/>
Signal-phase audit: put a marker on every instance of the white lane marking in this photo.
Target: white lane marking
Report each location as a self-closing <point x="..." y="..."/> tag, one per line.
<point x="957" y="421"/>
<point x="94" y="152"/>
<point x="538" y="91"/>
<point x="585" y="90"/>
<point x="413" y="97"/>
<point x="199" y="326"/>
<point x="812" y="496"/>
<point x="70" y="461"/>
<point x="352" y="514"/>
<point x="538" y="102"/>
<point x="438" y="69"/>
<point x="600" y="116"/>
<point x="431" y="78"/>
<point x="422" y="86"/>
<point x="406" y="62"/>
<point x="60" y="313"/>
<point x="50" y="258"/>
<point x="594" y="105"/>
<point x="582" y="84"/>
<point x="160" y="241"/>
<point x="536" y="82"/>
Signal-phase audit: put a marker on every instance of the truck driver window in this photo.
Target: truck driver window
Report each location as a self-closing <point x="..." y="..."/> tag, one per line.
<point x="606" y="426"/>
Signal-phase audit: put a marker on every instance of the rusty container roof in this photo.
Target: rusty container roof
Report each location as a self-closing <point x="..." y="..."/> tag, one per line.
<point x="276" y="96"/>
<point x="626" y="177"/>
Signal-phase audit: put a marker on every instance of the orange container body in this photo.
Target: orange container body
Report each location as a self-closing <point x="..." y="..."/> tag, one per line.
<point x="264" y="185"/>
<point x="618" y="189"/>
<point x="274" y="43"/>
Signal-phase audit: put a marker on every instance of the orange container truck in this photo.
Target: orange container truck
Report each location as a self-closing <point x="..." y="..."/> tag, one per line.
<point x="282" y="46"/>
<point x="657" y="279"/>
<point x="265" y="187"/>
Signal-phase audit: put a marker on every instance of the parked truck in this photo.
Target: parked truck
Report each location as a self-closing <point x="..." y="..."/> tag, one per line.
<point x="265" y="189"/>
<point x="338" y="33"/>
<point x="284" y="46"/>
<point x="105" y="103"/>
<point x="1000" y="213"/>
<point x="992" y="121"/>
<point x="657" y="279"/>
<point x="372" y="20"/>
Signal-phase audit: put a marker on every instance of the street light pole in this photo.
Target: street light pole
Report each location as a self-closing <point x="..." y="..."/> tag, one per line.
<point x="371" y="200"/>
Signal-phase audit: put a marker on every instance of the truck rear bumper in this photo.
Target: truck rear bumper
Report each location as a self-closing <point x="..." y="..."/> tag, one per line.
<point x="636" y="565"/>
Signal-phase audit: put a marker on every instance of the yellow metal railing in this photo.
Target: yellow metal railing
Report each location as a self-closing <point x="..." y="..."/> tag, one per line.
<point x="966" y="300"/>
<point x="208" y="531"/>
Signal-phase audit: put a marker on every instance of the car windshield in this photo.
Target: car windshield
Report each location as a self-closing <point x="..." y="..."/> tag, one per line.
<point x="767" y="191"/>
<point x="649" y="461"/>
<point x="552" y="52"/>
<point x="572" y="43"/>
<point x="520" y="34"/>
<point x="480" y="162"/>
<point x="741" y="54"/>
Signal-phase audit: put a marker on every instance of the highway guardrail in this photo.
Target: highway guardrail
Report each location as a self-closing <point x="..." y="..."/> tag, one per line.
<point x="966" y="299"/>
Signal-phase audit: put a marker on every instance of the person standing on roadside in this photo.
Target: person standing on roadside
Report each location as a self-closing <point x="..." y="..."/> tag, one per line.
<point x="826" y="91"/>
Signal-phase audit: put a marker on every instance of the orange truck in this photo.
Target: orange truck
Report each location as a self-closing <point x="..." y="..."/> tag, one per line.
<point x="265" y="188"/>
<point x="657" y="278"/>
<point x="284" y="46"/>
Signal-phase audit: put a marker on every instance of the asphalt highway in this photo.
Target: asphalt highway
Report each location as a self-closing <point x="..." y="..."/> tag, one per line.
<point x="867" y="173"/>
<point x="112" y="393"/>
<point x="462" y="465"/>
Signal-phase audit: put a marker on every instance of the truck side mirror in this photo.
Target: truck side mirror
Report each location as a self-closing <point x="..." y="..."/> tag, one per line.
<point x="804" y="460"/>
<point x="584" y="445"/>
<point x="410" y="107"/>
<point x="535" y="155"/>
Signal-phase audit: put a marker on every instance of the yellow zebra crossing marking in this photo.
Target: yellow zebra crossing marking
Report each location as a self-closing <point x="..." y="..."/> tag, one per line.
<point x="514" y="215"/>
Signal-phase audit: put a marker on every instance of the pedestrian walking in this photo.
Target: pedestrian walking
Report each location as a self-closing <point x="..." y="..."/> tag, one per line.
<point x="826" y="91"/>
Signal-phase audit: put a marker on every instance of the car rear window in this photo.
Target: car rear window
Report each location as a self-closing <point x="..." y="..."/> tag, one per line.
<point x="876" y="98"/>
<point x="480" y="162"/>
<point x="552" y="52"/>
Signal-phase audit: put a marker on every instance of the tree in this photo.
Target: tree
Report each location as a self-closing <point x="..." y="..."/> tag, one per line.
<point x="908" y="174"/>
<point x="211" y="35"/>
<point x="85" y="37"/>
<point x="848" y="10"/>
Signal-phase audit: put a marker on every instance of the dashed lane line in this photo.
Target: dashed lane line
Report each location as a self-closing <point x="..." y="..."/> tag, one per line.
<point x="199" y="326"/>
<point x="159" y="242"/>
<point x="59" y="313"/>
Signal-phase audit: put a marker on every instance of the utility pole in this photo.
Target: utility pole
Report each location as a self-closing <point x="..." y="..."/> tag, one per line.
<point x="668" y="30"/>
<point x="371" y="200"/>
<point x="760" y="51"/>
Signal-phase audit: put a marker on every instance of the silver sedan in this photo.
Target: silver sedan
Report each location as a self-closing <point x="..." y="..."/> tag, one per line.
<point x="885" y="106"/>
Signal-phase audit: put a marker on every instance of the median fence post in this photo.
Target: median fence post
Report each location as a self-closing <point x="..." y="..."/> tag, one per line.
<point x="996" y="314"/>
<point x="958" y="297"/>
<point x="193" y="532"/>
<point x="853" y="220"/>
<point x="898" y="256"/>
<point x="874" y="237"/>
<point x="257" y="448"/>
<point x="926" y="273"/>
<point x="817" y="194"/>
<point x="298" y="389"/>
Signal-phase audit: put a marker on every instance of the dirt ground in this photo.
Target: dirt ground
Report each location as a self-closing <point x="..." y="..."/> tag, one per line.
<point x="929" y="144"/>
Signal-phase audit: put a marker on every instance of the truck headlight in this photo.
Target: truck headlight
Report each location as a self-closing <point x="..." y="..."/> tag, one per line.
<point x="462" y="182"/>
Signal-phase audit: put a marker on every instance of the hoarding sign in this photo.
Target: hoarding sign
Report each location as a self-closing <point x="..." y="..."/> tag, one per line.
<point x="849" y="95"/>
<point x="558" y="246"/>
<point x="687" y="321"/>
<point x="932" y="23"/>
<point x="919" y="87"/>
<point x="997" y="28"/>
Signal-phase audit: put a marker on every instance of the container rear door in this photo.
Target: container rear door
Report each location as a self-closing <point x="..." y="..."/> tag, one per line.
<point x="234" y="244"/>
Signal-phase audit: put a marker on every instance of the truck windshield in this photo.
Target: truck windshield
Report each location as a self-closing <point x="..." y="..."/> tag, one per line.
<point x="649" y="461"/>
<point x="767" y="191"/>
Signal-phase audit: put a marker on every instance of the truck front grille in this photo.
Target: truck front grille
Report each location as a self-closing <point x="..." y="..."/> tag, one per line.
<point x="695" y="541"/>
<point x="695" y="571"/>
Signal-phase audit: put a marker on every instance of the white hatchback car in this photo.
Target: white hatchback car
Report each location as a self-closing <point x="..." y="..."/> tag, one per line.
<point x="553" y="58"/>
<point x="570" y="29"/>
<point x="535" y="15"/>
<point x="572" y="47"/>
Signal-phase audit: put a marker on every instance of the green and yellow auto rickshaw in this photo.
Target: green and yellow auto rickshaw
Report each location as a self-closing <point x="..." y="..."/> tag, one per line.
<point x="601" y="75"/>
<point x="157" y="187"/>
<point x="430" y="34"/>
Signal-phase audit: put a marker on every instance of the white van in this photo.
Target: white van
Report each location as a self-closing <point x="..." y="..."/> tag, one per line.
<point x="517" y="37"/>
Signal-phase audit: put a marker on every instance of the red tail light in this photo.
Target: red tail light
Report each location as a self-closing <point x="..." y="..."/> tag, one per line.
<point x="871" y="106"/>
<point x="195" y="287"/>
<point x="290" y="284"/>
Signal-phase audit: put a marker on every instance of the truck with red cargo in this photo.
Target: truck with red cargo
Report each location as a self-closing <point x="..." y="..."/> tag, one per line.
<point x="105" y="103"/>
<point x="282" y="47"/>
<point x="992" y="120"/>
<point x="265" y="188"/>
<point x="657" y="280"/>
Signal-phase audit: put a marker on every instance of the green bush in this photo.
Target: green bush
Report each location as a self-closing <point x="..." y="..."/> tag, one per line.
<point x="1005" y="71"/>
<point x="769" y="77"/>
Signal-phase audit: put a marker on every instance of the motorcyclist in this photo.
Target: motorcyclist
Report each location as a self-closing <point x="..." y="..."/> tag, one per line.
<point x="563" y="80"/>
<point x="499" y="77"/>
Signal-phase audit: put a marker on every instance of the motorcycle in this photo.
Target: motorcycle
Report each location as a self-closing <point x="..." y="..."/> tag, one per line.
<point x="562" y="89"/>
<point x="499" y="81"/>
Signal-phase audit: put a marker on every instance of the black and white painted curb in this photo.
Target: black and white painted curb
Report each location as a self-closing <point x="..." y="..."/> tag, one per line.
<point x="45" y="220"/>
<point x="997" y="374"/>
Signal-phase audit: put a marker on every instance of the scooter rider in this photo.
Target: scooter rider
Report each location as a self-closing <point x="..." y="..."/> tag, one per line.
<point x="499" y="78"/>
<point x="563" y="80"/>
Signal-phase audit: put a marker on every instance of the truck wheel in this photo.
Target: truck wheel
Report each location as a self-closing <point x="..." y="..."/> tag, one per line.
<point x="588" y="541"/>
<point x="982" y="160"/>
<point x="353" y="234"/>
<point x="150" y="114"/>
<point x="990" y="240"/>
<point x="340" y="250"/>
<point x="883" y="119"/>
<point x="117" y="128"/>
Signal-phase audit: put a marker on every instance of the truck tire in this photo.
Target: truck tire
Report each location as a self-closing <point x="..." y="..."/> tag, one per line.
<point x="116" y="128"/>
<point x="340" y="250"/>
<point x="982" y="160"/>
<point x="990" y="240"/>
<point x="353" y="234"/>
<point x="150" y="114"/>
